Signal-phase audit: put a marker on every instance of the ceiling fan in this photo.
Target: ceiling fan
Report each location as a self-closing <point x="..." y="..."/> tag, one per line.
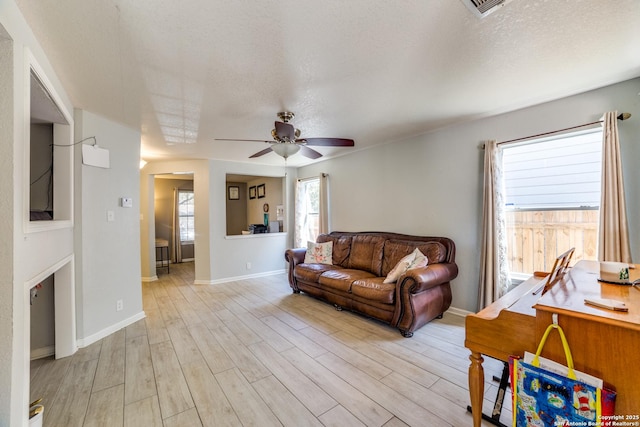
<point x="287" y="142"/>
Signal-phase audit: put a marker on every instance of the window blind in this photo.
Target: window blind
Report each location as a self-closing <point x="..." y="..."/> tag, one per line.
<point x="560" y="172"/>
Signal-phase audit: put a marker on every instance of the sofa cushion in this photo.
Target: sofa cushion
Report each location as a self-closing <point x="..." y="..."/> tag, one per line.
<point x="366" y="253"/>
<point x="374" y="289"/>
<point x="311" y="272"/>
<point x="341" y="279"/>
<point x="395" y="250"/>
<point x="320" y="253"/>
<point x="341" y="247"/>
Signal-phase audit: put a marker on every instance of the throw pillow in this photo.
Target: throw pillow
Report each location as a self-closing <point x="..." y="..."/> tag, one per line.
<point x="420" y="260"/>
<point x="319" y="253"/>
<point x="400" y="268"/>
<point x="415" y="259"/>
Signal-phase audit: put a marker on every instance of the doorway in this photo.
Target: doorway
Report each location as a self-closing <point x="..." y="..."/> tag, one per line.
<point x="174" y="218"/>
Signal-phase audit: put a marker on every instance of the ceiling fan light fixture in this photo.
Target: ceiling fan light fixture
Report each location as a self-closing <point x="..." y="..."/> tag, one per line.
<point x="287" y="142"/>
<point x="285" y="149"/>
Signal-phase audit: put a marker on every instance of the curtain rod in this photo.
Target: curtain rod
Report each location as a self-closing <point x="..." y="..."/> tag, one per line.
<point x="324" y="175"/>
<point x="621" y="116"/>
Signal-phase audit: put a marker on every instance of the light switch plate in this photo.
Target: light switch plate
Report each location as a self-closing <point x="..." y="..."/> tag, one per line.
<point x="111" y="216"/>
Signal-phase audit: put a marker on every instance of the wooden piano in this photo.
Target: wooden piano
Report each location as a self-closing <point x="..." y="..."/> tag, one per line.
<point x="505" y="328"/>
<point x="604" y="343"/>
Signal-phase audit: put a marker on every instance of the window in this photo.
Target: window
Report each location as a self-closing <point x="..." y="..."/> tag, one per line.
<point x="185" y="213"/>
<point x="552" y="196"/>
<point x="308" y="210"/>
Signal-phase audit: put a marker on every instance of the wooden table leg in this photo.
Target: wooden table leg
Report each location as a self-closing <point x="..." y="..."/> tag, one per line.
<point x="476" y="386"/>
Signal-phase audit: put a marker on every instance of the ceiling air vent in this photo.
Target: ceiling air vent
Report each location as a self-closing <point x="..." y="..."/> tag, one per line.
<point x="482" y="8"/>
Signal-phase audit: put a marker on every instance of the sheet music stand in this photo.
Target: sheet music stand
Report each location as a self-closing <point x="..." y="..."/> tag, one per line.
<point x="560" y="266"/>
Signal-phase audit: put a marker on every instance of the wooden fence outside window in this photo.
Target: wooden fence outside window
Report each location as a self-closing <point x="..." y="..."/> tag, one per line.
<point x="535" y="238"/>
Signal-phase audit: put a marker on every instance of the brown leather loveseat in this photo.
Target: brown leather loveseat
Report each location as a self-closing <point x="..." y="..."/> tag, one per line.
<point x="354" y="276"/>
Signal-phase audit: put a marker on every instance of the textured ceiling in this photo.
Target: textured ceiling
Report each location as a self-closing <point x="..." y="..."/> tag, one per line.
<point x="187" y="72"/>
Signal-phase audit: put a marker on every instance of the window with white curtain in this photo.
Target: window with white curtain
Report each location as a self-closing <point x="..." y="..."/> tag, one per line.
<point x="307" y="211"/>
<point x="185" y="213"/>
<point x="552" y="198"/>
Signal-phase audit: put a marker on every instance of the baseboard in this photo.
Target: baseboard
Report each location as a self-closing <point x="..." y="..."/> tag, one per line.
<point x="83" y="342"/>
<point x="150" y="279"/>
<point x="458" y="312"/>
<point x="39" y="353"/>
<point x="236" y="278"/>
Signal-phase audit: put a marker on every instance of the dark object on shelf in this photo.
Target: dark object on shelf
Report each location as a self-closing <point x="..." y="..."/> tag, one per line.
<point x="257" y="228"/>
<point x="41" y="215"/>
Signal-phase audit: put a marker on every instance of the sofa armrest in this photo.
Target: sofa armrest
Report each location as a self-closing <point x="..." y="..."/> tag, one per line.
<point x="428" y="277"/>
<point x="294" y="257"/>
<point x="422" y="294"/>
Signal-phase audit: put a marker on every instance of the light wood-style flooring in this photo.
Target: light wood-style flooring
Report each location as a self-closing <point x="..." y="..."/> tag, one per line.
<point x="251" y="353"/>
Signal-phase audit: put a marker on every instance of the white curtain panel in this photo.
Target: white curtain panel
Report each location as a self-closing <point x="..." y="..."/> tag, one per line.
<point x="494" y="267"/>
<point x="613" y="231"/>
<point x="176" y="244"/>
<point x="323" y="220"/>
<point x="303" y="229"/>
<point x="299" y="233"/>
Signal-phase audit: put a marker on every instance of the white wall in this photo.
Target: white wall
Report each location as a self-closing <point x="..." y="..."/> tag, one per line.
<point x="7" y="288"/>
<point x="229" y="255"/>
<point x="107" y="252"/>
<point x="432" y="184"/>
<point x="26" y="254"/>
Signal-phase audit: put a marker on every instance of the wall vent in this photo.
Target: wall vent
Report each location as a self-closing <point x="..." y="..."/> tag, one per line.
<point x="482" y="8"/>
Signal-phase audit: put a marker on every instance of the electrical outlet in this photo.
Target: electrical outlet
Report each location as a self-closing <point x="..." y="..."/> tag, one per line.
<point x="248" y="265"/>
<point x="119" y="305"/>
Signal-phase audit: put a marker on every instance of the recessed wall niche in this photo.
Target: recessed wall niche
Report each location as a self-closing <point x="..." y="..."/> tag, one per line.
<point x="252" y="211"/>
<point x="49" y="154"/>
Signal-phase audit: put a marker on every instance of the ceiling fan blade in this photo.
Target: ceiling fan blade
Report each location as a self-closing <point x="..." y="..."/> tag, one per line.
<point x="285" y="131"/>
<point x="243" y="140"/>
<point x="328" y="142"/>
<point x="309" y="152"/>
<point x="261" y="153"/>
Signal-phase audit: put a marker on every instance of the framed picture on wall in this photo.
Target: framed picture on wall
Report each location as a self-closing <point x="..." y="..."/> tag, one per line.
<point x="261" y="191"/>
<point x="234" y="192"/>
<point x="252" y="192"/>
